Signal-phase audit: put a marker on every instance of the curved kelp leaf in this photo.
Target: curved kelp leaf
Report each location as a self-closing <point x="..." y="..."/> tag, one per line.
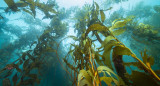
<point x="106" y="40"/>
<point x="107" y="51"/>
<point x="117" y="80"/>
<point x="96" y="27"/>
<point x="119" y="23"/>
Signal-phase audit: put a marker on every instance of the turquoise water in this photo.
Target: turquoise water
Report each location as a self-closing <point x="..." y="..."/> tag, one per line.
<point x="36" y="36"/>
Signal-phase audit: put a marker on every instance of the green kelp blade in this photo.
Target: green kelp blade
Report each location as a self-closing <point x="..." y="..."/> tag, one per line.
<point x="84" y="82"/>
<point x="117" y="23"/>
<point x="107" y="80"/>
<point x="106" y="69"/>
<point x="87" y="78"/>
<point x="118" y="32"/>
<point x="102" y="15"/>
<point x="11" y="4"/>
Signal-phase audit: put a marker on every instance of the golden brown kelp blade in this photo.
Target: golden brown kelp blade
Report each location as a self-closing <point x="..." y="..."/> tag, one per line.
<point x="141" y="79"/>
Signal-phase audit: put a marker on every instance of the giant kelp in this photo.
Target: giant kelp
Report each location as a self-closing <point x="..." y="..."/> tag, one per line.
<point x="86" y="63"/>
<point x="146" y="32"/>
<point x="86" y="58"/>
<point x="24" y="69"/>
<point x="30" y="6"/>
<point x="31" y="60"/>
<point x="8" y="49"/>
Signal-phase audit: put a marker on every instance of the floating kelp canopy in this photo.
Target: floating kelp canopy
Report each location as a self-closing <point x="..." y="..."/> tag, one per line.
<point x="98" y="56"/>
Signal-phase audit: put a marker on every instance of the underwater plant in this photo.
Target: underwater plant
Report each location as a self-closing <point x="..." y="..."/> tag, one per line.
<point x="144" y="33"/>
<point x="29" y="6"/>
<point x="86" y="58"/>
<point x="85" y="63"/>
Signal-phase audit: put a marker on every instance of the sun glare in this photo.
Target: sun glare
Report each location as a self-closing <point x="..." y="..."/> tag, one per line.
<point x="69" y="3"/>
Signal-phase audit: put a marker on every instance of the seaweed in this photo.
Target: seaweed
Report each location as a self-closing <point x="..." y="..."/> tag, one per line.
<point x="86" y="58"/>
<point x="29" y="6"/>
<point x="86" y="64"/>
<point x="30" y="60"/>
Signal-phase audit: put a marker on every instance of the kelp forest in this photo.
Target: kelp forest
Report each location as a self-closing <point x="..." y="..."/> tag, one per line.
<point x="97" y="44"/>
